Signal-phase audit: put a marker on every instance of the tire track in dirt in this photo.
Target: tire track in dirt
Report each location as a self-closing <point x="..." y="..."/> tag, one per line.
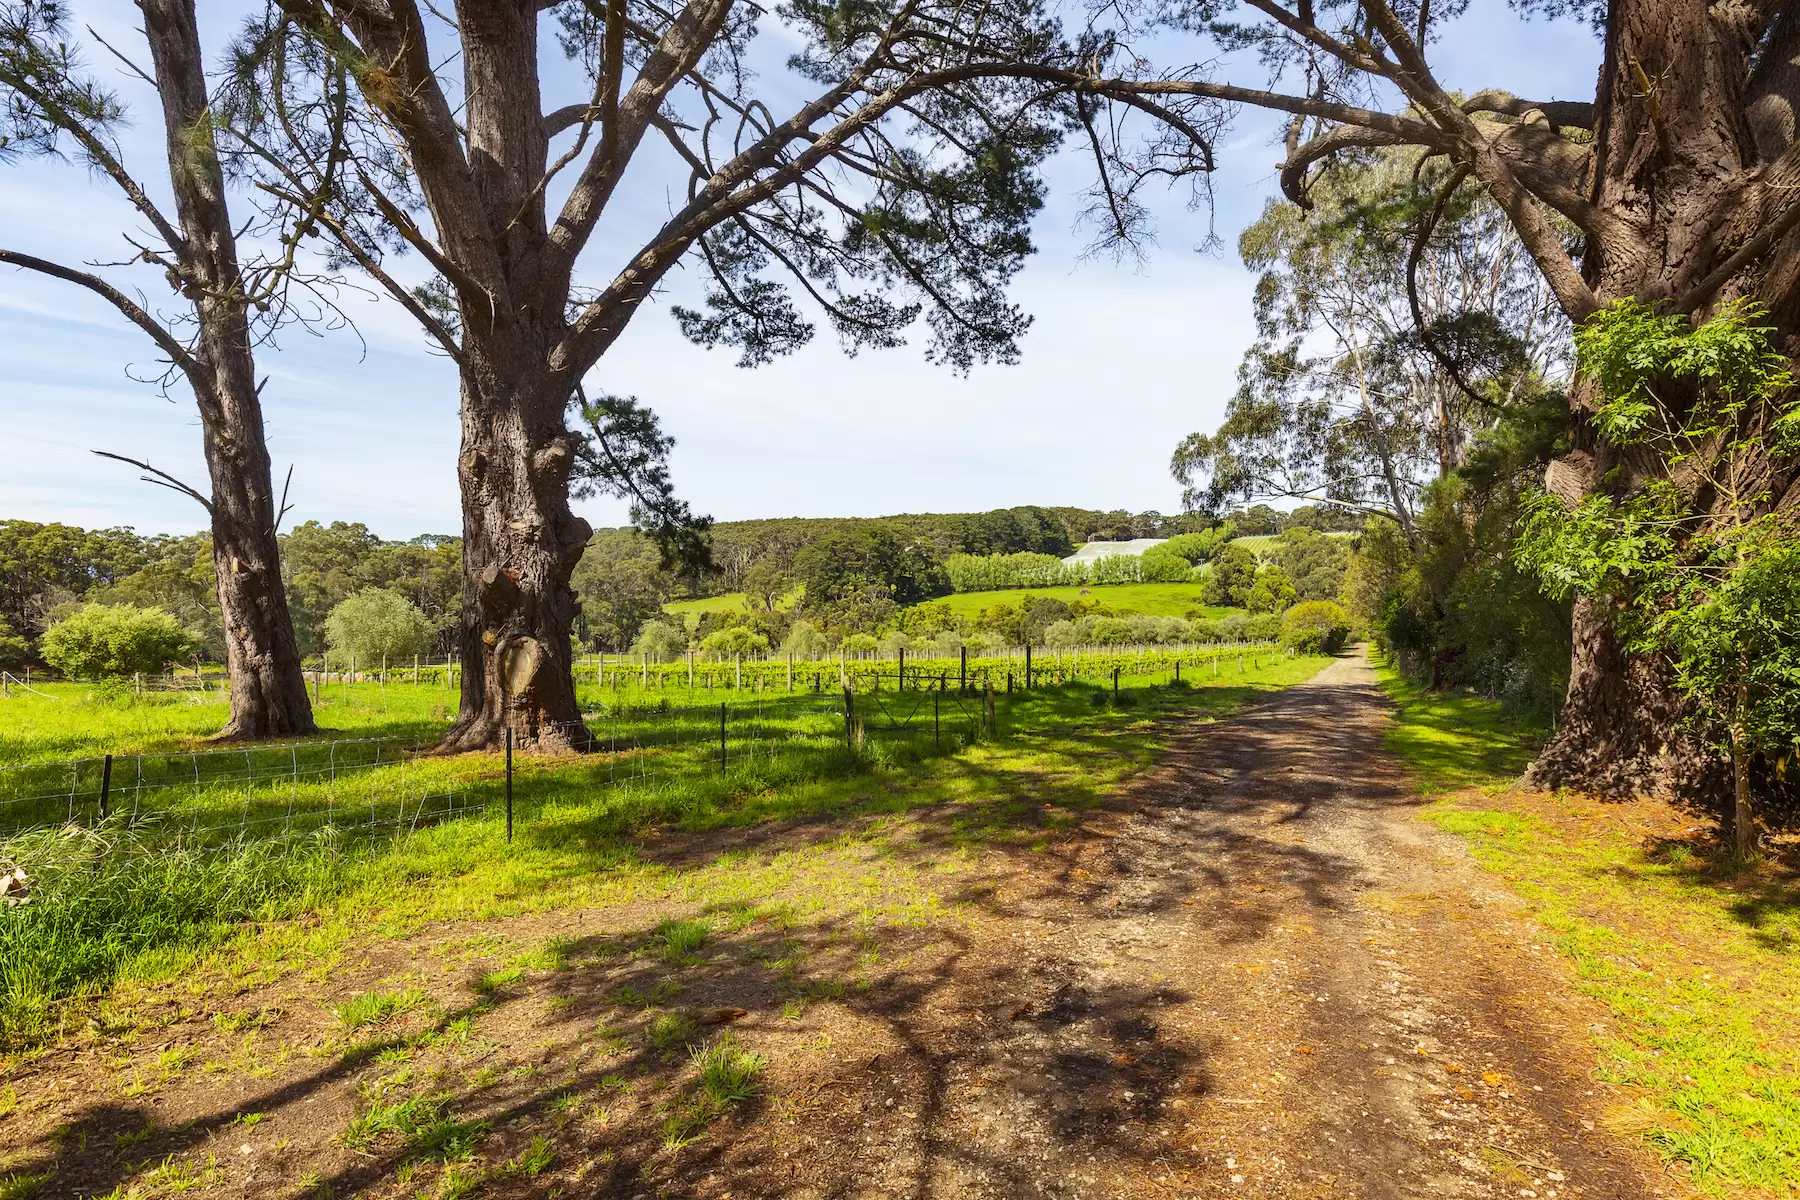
<point x="1268" y="977"/>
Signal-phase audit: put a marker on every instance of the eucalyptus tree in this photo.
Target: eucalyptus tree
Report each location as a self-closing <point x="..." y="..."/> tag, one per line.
<point x="884" y="173"/>
<point x="1378" y="355"/>
<point x="50" y="106"/>
<point x="1678" y="174"/>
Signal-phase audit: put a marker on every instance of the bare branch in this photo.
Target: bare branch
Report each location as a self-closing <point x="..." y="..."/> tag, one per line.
<point x="178" y="354"/>
<point x="163" y="478"/>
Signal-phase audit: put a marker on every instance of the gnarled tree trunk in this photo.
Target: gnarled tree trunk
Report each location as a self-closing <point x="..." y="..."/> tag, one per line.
<point x="520" y="547"/>
<point x="1694" y="149"/>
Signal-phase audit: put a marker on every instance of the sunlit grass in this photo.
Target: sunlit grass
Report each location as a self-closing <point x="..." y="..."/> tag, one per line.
<point x="1700" y="967"/>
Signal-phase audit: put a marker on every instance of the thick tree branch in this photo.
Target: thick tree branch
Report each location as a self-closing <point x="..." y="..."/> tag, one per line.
<point x="688" y="37"/>
<point x="1570" y="114"/>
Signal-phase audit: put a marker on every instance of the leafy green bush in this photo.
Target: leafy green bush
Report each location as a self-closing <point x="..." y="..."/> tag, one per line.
<point x="1272" y="592"/>
<point x="1315" y="627"/>
<point x="804" y="641"/>
<point x="104" y="641"/>
<point x="1197" y="548"/>
<point x="733" y="642"/>
<point x="376" y="625"/>
<point x="660" y="641"/>
<point x="1160" y="566"/>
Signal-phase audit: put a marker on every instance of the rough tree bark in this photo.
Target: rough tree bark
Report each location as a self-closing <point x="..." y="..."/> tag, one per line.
<point x="1682" y="159"/>
<point x="268" y="689"/>
<point x="200" y="259"/>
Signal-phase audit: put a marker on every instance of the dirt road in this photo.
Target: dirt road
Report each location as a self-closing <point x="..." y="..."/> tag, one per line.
<point x="1265" y="977"/>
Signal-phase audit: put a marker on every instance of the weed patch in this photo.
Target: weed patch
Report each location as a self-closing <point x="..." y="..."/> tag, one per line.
<point x="372" y="1008"/>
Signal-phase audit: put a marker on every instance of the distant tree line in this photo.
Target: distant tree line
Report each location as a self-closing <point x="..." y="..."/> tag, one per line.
<point x="839" y="576"/>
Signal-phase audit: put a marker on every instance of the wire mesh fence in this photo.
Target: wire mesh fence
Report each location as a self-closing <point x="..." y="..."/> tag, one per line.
<point x="251" y="791"/>
<point x="640" y="744"/>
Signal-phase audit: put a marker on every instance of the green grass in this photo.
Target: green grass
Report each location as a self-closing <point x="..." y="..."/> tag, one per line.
<point x="125" y="904"/>
<point x="727" y="1073"/>
<point x="678" y="940"/>
<point x="74" y="720"/>
<point x="372" y="1008"/>
<point x="423" y="1126"/>
<point x="1151" y="599"/>
<point x="1456" y="739"/>
<point x="1698" y="963"/>
<point x="671" y="1031"/>
<point x="731" y="602"/>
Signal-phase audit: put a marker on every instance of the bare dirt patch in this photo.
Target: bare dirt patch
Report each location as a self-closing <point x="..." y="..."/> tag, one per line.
<point x="1255" y="972"/>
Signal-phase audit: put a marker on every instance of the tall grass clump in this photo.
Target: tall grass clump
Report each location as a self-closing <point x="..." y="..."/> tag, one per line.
<point x="103" y="897"/>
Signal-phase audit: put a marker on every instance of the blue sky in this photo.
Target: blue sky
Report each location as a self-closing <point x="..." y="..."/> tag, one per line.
<point x="1123" y="361"/>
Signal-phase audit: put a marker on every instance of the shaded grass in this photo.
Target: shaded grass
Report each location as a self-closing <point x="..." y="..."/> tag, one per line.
<point x="1699" y="966"/>
<point x="1456" y="739"/>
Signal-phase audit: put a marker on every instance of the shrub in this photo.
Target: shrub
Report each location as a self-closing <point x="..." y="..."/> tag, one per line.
<point x="804" y="641"/>
<point x="1160" y="566"/>
<point x="1197" y="548"/>
<point x="104" y="641"/>
<point x="1265" y="627"/>
<point x="735" y="641"/>
<point x="1315" y="627"/>
<point x="376" y="625"/>
<point x="1272" y="592"/>
<point x="860" y="643"/>
<point x="660" y="641"/>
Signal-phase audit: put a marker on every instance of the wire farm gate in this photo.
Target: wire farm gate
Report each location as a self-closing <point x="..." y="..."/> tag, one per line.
<point x="251" y="792"/>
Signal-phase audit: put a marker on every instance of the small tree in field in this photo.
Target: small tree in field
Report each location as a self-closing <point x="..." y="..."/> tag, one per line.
<point x="104" y="641"/>
<point x="1315" y="627"/>
<point x="804" y="641"/>
<point x="730" y="643"/>
<point x="375" y="626"/>
<point x="660" y="641"/>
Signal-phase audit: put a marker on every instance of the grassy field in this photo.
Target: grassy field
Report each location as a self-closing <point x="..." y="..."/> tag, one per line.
<point x="732" y="602"/>
<point x="1151" y="599"/>
<point x="1697" y="957"/>
<point x="125" y="901"/>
